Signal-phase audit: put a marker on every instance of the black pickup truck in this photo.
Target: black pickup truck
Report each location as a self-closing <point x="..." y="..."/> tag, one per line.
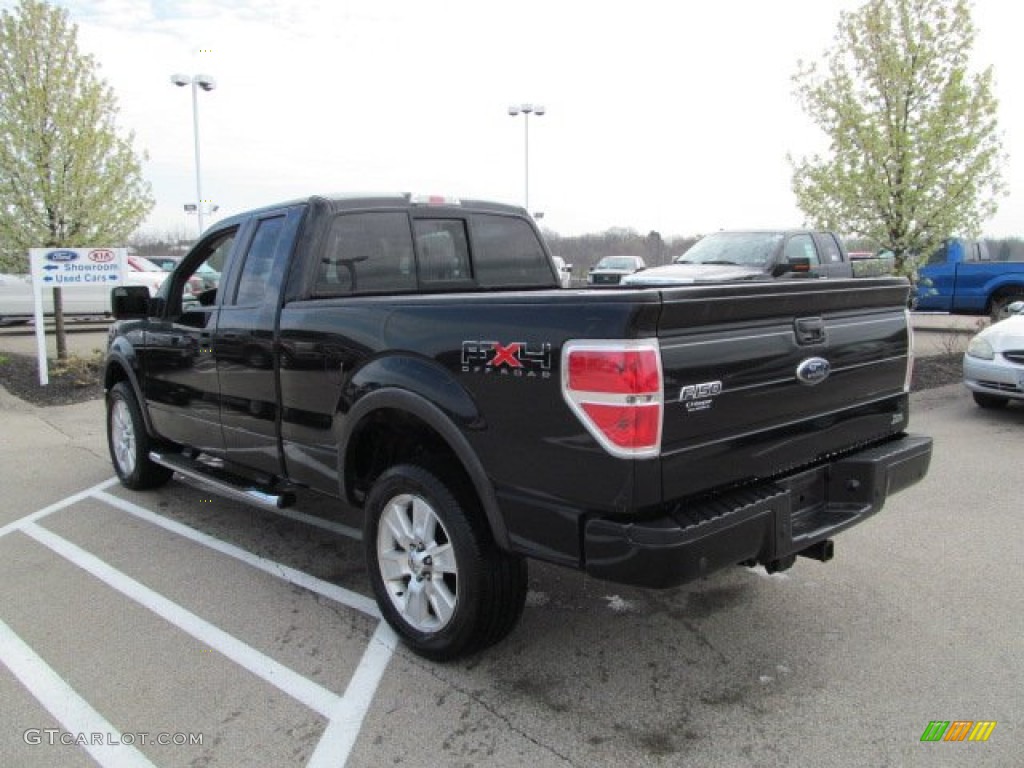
<point x="416" y="358"/>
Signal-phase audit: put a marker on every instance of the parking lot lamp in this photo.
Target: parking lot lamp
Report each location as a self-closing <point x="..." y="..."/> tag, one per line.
<point x="526" y="110"/>
<point x="207" y="83"/>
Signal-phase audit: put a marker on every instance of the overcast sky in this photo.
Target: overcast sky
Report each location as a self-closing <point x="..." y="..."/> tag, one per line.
<point x="667" y="115"/>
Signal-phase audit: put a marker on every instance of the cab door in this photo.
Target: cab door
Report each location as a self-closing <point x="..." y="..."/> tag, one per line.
<point x="177" y="364"/>
<point x="244" y="342"/>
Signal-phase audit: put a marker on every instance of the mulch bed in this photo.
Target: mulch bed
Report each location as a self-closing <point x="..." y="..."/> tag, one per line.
<point x="19" y="374"/>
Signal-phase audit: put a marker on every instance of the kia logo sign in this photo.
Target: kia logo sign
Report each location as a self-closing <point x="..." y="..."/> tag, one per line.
<point x="813" y="370"/>
<point x="62" y="256"/>
<point x="101" y="256"/>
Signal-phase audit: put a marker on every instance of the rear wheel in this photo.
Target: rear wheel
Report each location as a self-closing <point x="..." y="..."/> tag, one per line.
<point x="439" y="579"/>
<point x="989" y="401"/>
<point x="999" y="306"/>
<point x="129" y="443"/>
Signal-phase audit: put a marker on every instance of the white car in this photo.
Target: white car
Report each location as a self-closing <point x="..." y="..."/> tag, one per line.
<point x="994" y="361"/>
<point x="17" y="304"/>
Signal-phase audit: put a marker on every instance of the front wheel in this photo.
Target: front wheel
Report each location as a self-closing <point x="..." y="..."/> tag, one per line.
<point x="989" y="401"/>
<point x="128" y="442"/>
<point x="439" y="579"/>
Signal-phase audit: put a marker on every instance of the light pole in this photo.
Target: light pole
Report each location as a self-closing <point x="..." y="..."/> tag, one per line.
<point x="526" y="110"/>
<point x="207" y="83"/>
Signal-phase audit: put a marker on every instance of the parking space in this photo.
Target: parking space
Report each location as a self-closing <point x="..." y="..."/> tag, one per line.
<point x="130" y="615"/>
<point x="191" y="640"/>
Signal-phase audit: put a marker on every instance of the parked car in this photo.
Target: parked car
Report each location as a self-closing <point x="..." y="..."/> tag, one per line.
<point x="166" y="263"/>
<point x="994" y="361"/>
<point x="17" y="302"/>
<point x="611" y="269"/>
<point x="564" y="271"/>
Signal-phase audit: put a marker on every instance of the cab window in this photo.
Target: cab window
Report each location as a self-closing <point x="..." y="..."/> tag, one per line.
<point x="367" y="253"/>
<point x="507" y="252"/>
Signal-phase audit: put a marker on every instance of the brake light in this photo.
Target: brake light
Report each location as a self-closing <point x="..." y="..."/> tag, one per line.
<point x="433" y="200"/>
<point x="615" y="389"/>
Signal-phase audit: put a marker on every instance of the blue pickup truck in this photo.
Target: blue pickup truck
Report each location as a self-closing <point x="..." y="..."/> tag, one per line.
<point x="961" y="277"/>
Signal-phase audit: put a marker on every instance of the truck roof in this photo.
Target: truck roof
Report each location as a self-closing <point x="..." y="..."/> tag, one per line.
<point x="340" y="201"/>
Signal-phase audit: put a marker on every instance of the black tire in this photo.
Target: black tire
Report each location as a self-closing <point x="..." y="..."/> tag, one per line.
<point x="999" y="304"/>
<point x="128" y="442"/>
<point x="993" y="402"/>
<point x="448" y="591"/>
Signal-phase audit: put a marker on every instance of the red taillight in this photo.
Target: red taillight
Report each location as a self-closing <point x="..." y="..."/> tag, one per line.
<point x="623" y="371"/>
<point x="615" y="389"/>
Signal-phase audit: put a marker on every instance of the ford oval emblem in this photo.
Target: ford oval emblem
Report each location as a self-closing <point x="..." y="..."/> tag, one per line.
<point x="813" y="370"/>
<point x="61" y="256"/>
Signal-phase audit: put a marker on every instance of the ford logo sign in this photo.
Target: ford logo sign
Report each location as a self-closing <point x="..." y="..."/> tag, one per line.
<point x="813" y="370"/>
<point x="61" y="256"/>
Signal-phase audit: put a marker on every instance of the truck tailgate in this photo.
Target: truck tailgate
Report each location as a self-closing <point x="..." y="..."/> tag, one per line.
<point x="763" y="379"/>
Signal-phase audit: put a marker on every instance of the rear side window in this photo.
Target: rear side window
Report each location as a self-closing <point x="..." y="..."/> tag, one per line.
<point x="367" y="253"/>
<point x="830" y="248"/>
<point x="508" y="253"/>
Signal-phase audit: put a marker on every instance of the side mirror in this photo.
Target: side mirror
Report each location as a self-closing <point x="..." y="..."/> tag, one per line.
<point x="798" y="265"/>
<point x="129" y="302"/>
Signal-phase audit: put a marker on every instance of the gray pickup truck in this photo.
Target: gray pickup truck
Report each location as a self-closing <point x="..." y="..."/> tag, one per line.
<point x="753" y="255"/>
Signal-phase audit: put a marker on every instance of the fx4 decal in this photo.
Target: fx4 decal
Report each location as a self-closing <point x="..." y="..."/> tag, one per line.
<point x="517" y="358"/>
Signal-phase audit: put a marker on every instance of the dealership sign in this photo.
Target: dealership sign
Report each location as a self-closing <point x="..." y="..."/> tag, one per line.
<point x="76" y="267"/>
<point x="70" y="268"/>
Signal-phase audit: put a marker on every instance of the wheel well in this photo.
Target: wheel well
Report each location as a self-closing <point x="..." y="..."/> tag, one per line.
<point x="113" y="375"/>
<point x="1005" y="290"/>
<point x="389" y="437"/>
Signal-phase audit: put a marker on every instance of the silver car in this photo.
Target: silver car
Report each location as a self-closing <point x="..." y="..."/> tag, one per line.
<point x="994" y="362"/>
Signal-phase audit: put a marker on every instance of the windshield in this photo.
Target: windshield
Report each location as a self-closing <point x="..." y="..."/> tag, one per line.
<point x="752" y="249"/>
<point x="617" y="262"/>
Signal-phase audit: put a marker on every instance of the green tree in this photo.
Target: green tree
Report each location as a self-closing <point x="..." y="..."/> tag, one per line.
<point x="915" y="153"/>
<point x="67" y="177"/>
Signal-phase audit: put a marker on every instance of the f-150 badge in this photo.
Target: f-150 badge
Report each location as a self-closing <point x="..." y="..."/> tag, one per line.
<point x="698" y="397"/>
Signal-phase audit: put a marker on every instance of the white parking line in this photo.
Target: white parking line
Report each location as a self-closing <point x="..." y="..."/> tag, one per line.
<point x="314" y="696"/>
<point x="345" y="714"/>
<point x="291" y="575"/>
<point x="347" y="718"/>
<point x="73" y="712"/>
<point x="319" y="522"/>
<point x="57" y="506"/>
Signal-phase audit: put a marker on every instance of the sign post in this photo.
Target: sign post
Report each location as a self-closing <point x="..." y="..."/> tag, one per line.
<point x="70" y="268"/>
